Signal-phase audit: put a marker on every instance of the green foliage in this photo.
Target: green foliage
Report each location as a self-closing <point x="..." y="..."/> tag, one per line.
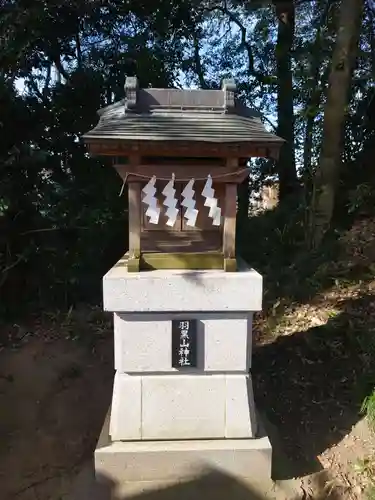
<point x="281" y="252"/>
<point x="361" y="199"/>
<point x="366" y="468"/>
<point x="368" y="408"/>
<point x="62" y="223"/>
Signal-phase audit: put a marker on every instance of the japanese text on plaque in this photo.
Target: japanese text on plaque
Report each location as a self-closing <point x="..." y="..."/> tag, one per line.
<point x="184" y="343"/>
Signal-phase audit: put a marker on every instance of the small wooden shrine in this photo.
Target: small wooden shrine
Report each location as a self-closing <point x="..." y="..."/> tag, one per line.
<point x="182" y="154"/>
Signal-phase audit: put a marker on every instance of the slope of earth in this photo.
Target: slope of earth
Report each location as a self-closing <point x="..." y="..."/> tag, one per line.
<point x="320" y="359"/>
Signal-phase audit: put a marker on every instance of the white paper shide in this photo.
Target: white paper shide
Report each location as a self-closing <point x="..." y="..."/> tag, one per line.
<point x="188" y="202"/>
<point x="153" y="211"/>
<point x="170" y="202"/>
<point x="212" y="202"/>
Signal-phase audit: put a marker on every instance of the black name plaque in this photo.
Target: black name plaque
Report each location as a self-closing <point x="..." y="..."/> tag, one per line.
<point x="184" y="343"/>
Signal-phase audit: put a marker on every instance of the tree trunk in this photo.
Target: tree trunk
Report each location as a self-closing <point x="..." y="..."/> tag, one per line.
<point x="243" y="200"/>
<point x="312" y="107"/>
<point x="342" y="65"/>
<point x="286" y="166"/>
<point x="315" y="91"/>
<point x="198" y="63"/>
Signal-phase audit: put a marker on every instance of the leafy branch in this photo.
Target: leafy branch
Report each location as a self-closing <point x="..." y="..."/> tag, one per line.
<point x="244" y="45"/>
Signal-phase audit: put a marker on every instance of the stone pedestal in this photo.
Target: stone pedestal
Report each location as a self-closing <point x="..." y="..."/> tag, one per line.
<point x="168" y="422"/>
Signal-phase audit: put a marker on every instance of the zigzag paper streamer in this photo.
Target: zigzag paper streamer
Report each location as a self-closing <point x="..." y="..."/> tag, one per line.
<point x="170" y="202"/>
<point x="191" y="213"/>
<point x="153" y="211"/>
<point x="209" y="193"/>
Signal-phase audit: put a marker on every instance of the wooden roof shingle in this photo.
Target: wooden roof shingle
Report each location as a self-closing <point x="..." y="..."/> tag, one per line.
<point x="213" y="116"/>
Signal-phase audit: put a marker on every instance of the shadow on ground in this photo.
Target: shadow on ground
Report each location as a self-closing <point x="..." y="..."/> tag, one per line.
<point x="310" y="385"/>
<point x="213" y="484"/>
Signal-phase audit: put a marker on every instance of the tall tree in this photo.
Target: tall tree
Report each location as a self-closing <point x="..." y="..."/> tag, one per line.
<point x="314" y="89"/>
<point x="342" y="66"/>
<point x="286" y="165"/>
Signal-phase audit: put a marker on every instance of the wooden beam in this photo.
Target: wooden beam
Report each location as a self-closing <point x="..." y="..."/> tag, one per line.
<point x="182" y="260"/>
<point x="186" y="161"/>
<point x="219" y="174"/>
<point x="229" y="233"/>
<point x="229" y="236"/>
<point x="134" y="197"/>
<point x="134" y="219"/>
<point x="113" y="147"/>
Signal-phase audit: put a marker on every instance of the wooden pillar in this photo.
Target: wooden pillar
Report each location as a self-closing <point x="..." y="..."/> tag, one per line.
<point x="229" y="233"/>
<point x="134" y="197"/>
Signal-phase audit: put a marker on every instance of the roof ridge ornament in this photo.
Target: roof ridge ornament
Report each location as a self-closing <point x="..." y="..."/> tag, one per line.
<point x="229" y="88"/>
<point x="131" y="93"/>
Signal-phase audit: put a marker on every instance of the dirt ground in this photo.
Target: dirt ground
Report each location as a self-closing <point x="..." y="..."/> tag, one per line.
<point x="55" y="391"/>
<point x="56" y="378"/>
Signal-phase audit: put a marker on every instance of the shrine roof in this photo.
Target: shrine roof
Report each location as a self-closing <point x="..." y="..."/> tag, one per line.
<point x="215" y="116"/>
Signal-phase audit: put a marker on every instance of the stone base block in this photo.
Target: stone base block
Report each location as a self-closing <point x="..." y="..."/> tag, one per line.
<point x="181" y="290"/>
<point x="181" y="407"/>
<point x="154" y="464"/>
<point x="143" y="342"/>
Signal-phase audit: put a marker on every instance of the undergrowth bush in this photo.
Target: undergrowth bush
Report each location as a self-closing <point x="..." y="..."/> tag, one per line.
<point x="274" y="243"/>
<point x="368" y="408"/>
